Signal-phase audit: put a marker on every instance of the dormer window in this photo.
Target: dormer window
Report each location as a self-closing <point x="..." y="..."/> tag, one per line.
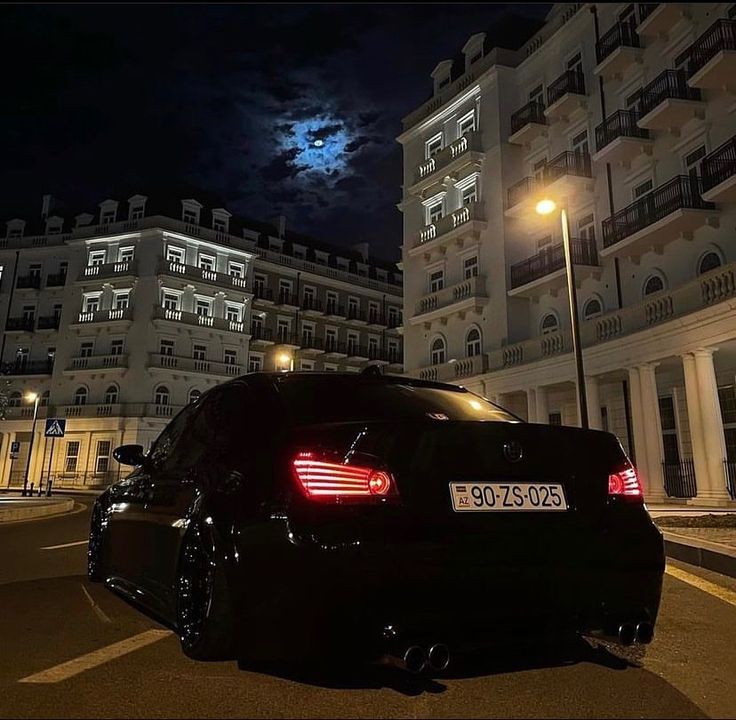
<point x="54" y="225"/>
<point x="444" y="82"/>
<point x="218" y="225"/>
<point x="136" y="213"/>
<point x="190" y="211"/>
<point x="275" y="244"/>
<point x="320" y="257"/>
<point x="343" y="264"/>
<point x="15" y="232"/>
<point x="473" y="49"/>
<point x="189" y="216"/>
<point x="108" y="217"/>
<point x="16" y="228"/>
<point x="441" y="75"/>
<point x="108" y="212"/>
<point x="299" y="252"/>
<point x="220" y="220"/>
<point x="136" y="207"/>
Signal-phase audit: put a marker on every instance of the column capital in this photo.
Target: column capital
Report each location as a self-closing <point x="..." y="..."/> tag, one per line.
<point x="705" y="352"/>
<point x="649" y="366"/>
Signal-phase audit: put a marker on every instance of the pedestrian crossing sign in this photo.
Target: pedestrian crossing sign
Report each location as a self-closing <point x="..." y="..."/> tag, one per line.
<point x="55" y="427"/>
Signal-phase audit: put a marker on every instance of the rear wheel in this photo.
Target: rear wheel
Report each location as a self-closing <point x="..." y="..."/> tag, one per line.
<point x="204" y="618"/>
<point x="94" y="569"/>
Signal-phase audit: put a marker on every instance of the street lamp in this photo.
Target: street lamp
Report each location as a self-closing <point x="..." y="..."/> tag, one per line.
<point x="546" y="207"/>
<point x="286" y="361"/>
<point x="34" y="398"/>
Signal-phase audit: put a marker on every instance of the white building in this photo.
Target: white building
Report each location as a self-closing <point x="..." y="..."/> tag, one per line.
<point x="626" y="113"/>
<point x="119" y="318"/>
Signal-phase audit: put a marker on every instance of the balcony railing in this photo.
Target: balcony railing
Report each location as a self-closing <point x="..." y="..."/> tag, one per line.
<point x="719" y="165"/>
<point x="49" y="322"/>
<point x="311" y="304"/>
<point x="89" y="410"/>
<point x="41" y="367"/>
<point x="192" y="364"/>
<point x="356" y="350"/>
<point x="682" y="192"/>
<point x="567" y="163"/>
<point x="549" y="260"/>
<point x="311" y="342"/>
<point x="332" y="308"/>
<point x="262" y="293"/>
<point x="334" y="346"/>
<point x="106" y="270"/>
<point x="532" y="112"/>
<point x="446" y="297"/>
<point x="450" y="222"/>
<point x="620" y="35"/>
<point x="621" y="124"/>
<point x="668" y="85"/>
<point x="454" y="369"/>
<point x="356" y="314"/>
<point x="730" y="468"/>
<point x="28" y="281"/>
<point x="24" y="324"/>
<point x="394" y="322"/>
<point x="258" y="332"/>
<point x="470" y="142"/>
<point x="197" y="273"/>
<point x="719" y="37"/>
<point x="56" y="279"/>
<point x="98" y="362"/>
<point x="679" y="479"/>
<point x="105" y="315"/>
<point x="571" y="81"/>
<point x="287" y="298"/>
<point x="524" y="188"/>
<point x="645" y="10"/>
<point x="190" y="318"/>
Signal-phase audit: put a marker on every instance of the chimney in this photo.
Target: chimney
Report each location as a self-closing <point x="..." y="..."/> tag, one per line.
<point x="46" y="206"/>
<point x="362" y="249"/>
<point x="280" y="224"/>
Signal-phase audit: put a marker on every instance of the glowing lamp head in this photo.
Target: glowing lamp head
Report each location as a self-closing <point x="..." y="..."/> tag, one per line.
<point x="319" y="143"/>
<point x="546" y="206"/>
<point x="285" y="359"/>
<point x="31" y="396"/>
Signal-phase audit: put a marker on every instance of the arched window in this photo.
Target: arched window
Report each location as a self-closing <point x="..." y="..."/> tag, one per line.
<point x="14" y="399"/>
<point x="654" y="284"/>
<point x="45" y="398"/>
<point x="550" y="323"/>
<point x="161" y="396"/>
<point x="111" y="395"/>
<point x="438" y="351"/>
<point x="473" y="342"/>
<point x="709" y="261"/>
<point x="80" y="397"/>
<point x="194" y="395"/>
<point x="592" y="308"/>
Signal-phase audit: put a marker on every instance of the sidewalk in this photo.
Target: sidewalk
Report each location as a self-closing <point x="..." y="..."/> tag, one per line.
<point x="19" y="508"/>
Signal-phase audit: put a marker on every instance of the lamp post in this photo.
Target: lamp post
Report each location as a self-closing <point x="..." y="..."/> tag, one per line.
<point x="33" y="397"/>
<point x="286" y="362"/>
<point x="546" y="207"/>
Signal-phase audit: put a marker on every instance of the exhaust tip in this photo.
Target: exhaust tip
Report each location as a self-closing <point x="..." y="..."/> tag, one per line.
<point x="438" y="656"/>
<point x="644" y="633"/>
<point x="627" y="634"/>
<point x="415" y="659"/>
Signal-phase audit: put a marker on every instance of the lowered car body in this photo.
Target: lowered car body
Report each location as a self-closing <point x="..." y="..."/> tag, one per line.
<point x="291" y="516"/>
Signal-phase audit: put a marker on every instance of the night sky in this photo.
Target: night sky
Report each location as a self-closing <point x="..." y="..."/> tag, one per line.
<point x="276" y="108"/>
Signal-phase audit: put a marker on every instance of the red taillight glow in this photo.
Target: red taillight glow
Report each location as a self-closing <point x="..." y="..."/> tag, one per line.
<point x="625" y="484"/>
<point x="322" y="479"/>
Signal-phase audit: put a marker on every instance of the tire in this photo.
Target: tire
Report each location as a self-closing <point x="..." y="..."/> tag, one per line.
<point x="94" y="565"/>
<point x="203" y="609"/>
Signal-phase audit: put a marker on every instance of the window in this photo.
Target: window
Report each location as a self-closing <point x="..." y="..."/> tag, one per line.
<point x="470" y="267"/>
<point x="555" y="418"/>
<point x="255" y="363"/>
<point x="199" y="352"/>
<point x="111" y="395"/>
<point x="308" y="298"/>
<point x="393" y="317"/>
<point x="284" y="291"/>
<point x="353" y="340"/>
<point x="538" y="170"/>
<point x="207" y="262"/>
<point x="586" y="228"/>
<point x="194" y="395"/>
<point x="329" y="367"/>
<point x="116" y="346"/>
<point x="203" y="307"/>
<point x="437" y="351"/>
<point x="170" y="300"/>
<point x="331" y="308"/>
<point x="122" y="300"/>
<point x="108" y="217"/>
<point x="189" y="216"/>
<point x="29" y="313"/>
<point x="592" y="308"/>
<point x="393" y="351"/>
<point x="175" y="254"/>
<point x="353" y="307"/>
<point x="307" y="334"/>
<point x="219" y="225"/>
<point x="125" y="254"/>
<point x="436" y="281"/>
<point x="54" y="228"/>
<point x="234" y="313"/>
<point x="50" y="355"/>
<point x="473" y="342"/>
<point x="231" y="357"/>
<point x="654" y="284"/>
<point x="96" y="257"/>
<point x="470" y="194"/>
<point x="21" y="357"/>
<point x="86" y="349"/>
<point x="434" y="212"/>
<point x="15" y="399"/>
<point x="633" y="101"/>
<point x="373" y="313"/>
<point x="330" y="339"/>
<point x="72" y="455"/>
<point x="444" y="82"/>
<point x="45" y="398"/>
<point x="372" y="348"/>
<point x="693" y="160"/>
<point x="80" y="396"/>
<point x="136" y="213"/>
<point x="433" y="146"/>
<point x="91" y="303"/>
<point x="259" y="282"/>
<point x="576" y="63"/>
<point x="466" y="124"/>
<point x="550" y="323"/>
<point x="162" y="395"/>
<point x="166" y="347"/>
<point x="710" y="261"/>
<point x="536" y="95"/>
<point x="306" y="365"/>
<point x="236" y="269"/>
<point x="642" y="189"/>
<point x="667" y="415"/>
<point x="282" y="329"/>
<point x="579" y="143"/>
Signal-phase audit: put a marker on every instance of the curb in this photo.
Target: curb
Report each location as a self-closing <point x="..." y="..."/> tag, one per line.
<point x="701" y="553"/>
<point x="58" y="507"/>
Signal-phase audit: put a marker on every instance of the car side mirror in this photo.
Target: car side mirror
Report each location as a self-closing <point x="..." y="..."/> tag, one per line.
<point x="129" y="455"/>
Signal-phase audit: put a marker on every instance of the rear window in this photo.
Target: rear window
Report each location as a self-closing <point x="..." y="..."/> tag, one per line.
<point x="343" y="399"/>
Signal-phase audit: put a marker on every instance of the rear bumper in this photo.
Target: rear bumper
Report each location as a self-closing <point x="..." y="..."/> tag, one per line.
<point x="313" y="597"/>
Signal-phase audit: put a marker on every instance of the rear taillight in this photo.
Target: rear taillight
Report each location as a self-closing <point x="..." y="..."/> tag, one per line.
<point x="625" y="484"/>
<point x="324" y="477"/>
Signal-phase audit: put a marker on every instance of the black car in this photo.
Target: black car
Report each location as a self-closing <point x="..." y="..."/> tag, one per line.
<point x="302" y="515"/>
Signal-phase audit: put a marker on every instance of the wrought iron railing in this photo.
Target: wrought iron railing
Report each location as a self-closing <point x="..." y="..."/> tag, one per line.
<point x="28" y="281"/>
<point x="571" y="81"/>
<point x="622" y="34"/>
<point x="668" y="85"/>
<point x="567" y="162"/>
<point x="719" y="37"/>
<point x="621" y="124"/>
<point x="258" y="332"/>
<point x="20" y="323"/>
<point x="719" y="165"/>
<point x="532" y="112"/>
<point x="582" y="250"/>
<point x="679" y="479"/>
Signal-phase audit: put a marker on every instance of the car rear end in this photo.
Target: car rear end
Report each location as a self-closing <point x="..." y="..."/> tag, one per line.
<point x="421" y="513"/>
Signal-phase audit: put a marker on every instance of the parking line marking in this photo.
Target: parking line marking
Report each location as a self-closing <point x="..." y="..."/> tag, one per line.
<point x="65" y="545"/>
<point x="98" y="610"/>
<point x="68" y="669"/>
<point x="728" y="596"/>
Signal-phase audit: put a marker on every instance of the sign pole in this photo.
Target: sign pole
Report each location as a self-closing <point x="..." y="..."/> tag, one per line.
<point x="51" y="455"/>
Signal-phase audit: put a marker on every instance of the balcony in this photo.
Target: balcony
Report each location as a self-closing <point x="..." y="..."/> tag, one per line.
<point x="28" y="281"/>
<point x="713" y="57"/>
<point x="96" y="362"/>
<point x="289" y="340"/>
<point x="467" y="149"/>
<point x="195" y="365"/>
<point x="465" y="222"/>
<point x="103" y="410"/>
<point x="192" y="272"/>
<point x="617" y="50"/>
<point x="335" y="348"/>
<point x="377" y="319"/>
<point x="19" y="324"/>
<point x="657" y="19"/>
<point x="356" y="315"/>
<point x="287" y="299"/>
<point x="56" y="279"/>
<point x="311" y="345"/>
<point x="24" y="412"/>
<point x="528" y="123"/>
<point x="545" y="271"/>
<point x="719" y="173"/>
<point x="354" y="351"/>
<point x="111" y="315"/>
<point x="263" y="294"/>
<point x="668" y="102"/>
<point x="18" y="367"/>
<point x="260" y="334"/>
<point x="671" y="210"/>
<point x="618" y="139"/>
<point x="107" y="270"/>
<point x="49" y="322"/>
<point x="467" y="295"/>
<point x="565" y="95"/>
<point x="455" y="369"/>
<point x="190" y="318"/>
<point x="394" y="322"/>
<point x="312" y="306"/>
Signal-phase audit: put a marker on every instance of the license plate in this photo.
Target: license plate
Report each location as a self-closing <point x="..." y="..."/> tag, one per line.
<point x="519" y="496"/>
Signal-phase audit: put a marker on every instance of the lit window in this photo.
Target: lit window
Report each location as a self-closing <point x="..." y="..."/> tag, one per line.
<point x="72" y="455"/>
<point x="436" y="281"/>
<point x="80" y="396"/>
<point x="550" y="323"/>
<point x="473" y="343"/>
<point x="96" y="257"/>
<point x="470" y="194"/>
<point x="111" y="395"/>
<point x="438" y="351"/>
<point x="203" y="307"/>
<point x="175" y="254"/>
<point x="170" y="301"/>
<point x="207" y="262"/>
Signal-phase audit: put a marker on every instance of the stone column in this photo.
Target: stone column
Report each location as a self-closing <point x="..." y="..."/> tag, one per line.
<point x="540" y="394"/>
<point x="712" y="424"/>
<point x="695" y="422"/>
<point x="654" y="491"/>
<point x="531" y="405"/>
<point x="637" y="422"/>
<point x="593" y="398"/>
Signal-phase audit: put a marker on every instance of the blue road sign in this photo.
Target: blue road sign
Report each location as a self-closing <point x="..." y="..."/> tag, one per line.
<point x="15" y="447"/>
<point x="55" y="427"/>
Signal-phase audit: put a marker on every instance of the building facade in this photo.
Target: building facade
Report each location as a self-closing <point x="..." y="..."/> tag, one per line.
<point x="624" y="113"/>
<point x="119" y="318"/>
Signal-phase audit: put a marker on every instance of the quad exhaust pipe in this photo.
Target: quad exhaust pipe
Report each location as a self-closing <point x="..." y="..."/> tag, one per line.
<point x="415" y="659"/>
<point x="641" y="633"/>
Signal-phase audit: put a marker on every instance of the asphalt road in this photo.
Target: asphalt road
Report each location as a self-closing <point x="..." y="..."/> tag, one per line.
<point x="69" y="648"/>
